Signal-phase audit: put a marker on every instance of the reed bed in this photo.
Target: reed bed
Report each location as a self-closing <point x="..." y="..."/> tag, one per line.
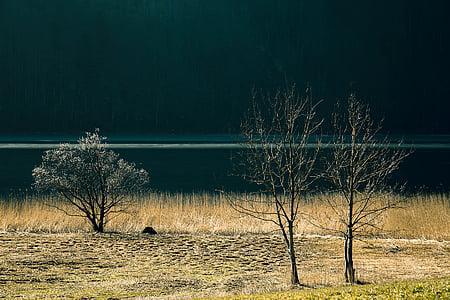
<point x="421" y="216"/>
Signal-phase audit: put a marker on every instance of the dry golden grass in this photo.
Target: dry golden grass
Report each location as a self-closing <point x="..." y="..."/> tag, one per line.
<point x="205" y="249"/>
<point x="112" y="266"/>
<point x="422" y="216"/>
<point x="426" y="217"/>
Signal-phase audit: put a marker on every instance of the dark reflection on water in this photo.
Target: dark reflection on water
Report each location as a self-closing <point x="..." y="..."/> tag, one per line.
<point x="188" y="170"/>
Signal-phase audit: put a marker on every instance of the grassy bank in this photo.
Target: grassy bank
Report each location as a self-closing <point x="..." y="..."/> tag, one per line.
<point x="425" y="289"/>
<point x="421" y="216"/>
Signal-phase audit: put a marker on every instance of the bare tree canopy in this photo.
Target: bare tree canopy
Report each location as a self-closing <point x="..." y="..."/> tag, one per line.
<point x="360" y="164"/>
<point x="93" y="179"/>
<point x="278" y="158"/>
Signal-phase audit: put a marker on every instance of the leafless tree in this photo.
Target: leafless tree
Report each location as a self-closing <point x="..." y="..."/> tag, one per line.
<point x="279" y="158"/>
<point x="91" y="178"/>
<point x="361" y="162"/>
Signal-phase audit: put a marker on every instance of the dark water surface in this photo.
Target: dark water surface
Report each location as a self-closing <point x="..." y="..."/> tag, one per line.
<point x="203" y="163"/>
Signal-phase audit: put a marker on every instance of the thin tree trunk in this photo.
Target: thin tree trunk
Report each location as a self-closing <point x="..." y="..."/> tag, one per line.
<point x="349" y="270"/>
<point x="101" y="223"/>
<point x="345" y="258"/>
<point x="294" y="272"/>
<point x="100" y="228"/>
<point x="94" y="224"/>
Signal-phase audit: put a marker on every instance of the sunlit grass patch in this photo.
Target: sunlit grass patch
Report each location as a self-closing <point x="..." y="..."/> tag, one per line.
<point x="426" y="289"/>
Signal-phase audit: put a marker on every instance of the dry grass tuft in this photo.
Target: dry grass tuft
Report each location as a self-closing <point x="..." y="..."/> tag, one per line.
<point x="422" y="216"/>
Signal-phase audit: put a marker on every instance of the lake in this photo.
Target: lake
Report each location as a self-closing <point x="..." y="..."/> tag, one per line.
<point x="203" y="163"/>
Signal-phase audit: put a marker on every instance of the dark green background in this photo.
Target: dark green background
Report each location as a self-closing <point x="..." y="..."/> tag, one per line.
<point x="187" y="66"/>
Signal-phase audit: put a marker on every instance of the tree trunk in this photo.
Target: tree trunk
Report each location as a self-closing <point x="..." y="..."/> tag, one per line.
<point x="348" y="248"/>
<point x="100" y="228"/>
<point x="96" y="226"/>
<point x="294" y="272"/>
<point x="101" y="221"/>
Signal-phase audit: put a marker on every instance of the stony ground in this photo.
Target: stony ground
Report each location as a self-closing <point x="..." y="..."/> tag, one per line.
<point x="196" y="265"/>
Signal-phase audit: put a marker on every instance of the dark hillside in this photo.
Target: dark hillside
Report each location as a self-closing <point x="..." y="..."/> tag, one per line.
<point x="187" y="66"/>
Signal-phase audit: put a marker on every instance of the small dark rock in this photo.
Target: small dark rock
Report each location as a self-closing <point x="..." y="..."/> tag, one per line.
<point x="149" y="230"/>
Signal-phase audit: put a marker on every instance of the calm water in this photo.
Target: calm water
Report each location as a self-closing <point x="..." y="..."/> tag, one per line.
<point x="202" y="163"/>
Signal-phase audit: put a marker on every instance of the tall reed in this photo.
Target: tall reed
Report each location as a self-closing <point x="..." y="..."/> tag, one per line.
<point x="422" y="216"/>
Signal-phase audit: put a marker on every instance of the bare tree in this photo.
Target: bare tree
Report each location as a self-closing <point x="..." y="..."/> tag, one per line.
<point x="91" y="178"/>
<point x="279" y="158"/>
<point x="360" y="164"/>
